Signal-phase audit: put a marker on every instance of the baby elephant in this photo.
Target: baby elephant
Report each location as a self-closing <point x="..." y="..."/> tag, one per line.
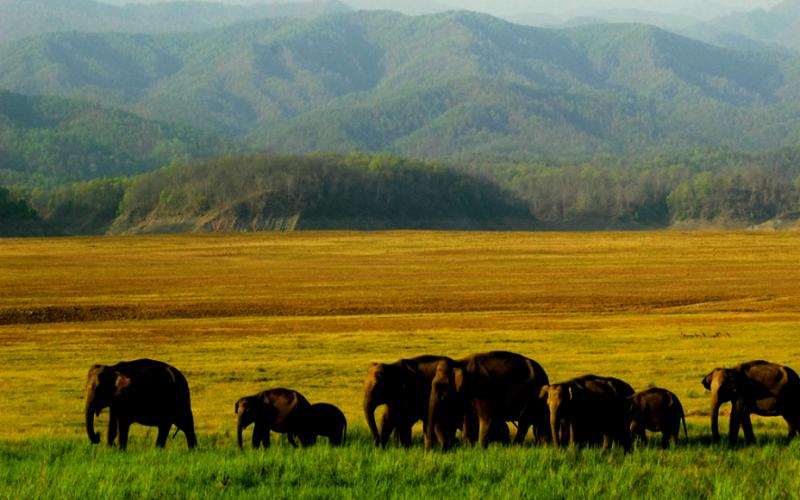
<point x="322" y="419"/>
<point x="656" y="409"/>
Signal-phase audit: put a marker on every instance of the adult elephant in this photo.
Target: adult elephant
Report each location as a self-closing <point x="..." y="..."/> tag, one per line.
<point x="280" y="410"/>
<point x="488" y="388"/>
<point x="759" y="387"/>
<point x="404" y="387"/>
<point x="588" y="408"/>
<point x="143" y="391"/>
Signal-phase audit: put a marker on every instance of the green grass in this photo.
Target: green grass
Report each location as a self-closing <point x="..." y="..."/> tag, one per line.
<point x="72" y="468"/>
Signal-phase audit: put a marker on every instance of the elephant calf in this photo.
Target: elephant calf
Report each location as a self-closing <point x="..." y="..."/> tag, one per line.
<point x="322" y="419"/>
<point x="276" y="410"/>
<point x="656" y="410"/>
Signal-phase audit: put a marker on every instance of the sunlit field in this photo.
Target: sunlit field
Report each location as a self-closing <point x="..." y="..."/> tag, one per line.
<point x="309" y="311"/>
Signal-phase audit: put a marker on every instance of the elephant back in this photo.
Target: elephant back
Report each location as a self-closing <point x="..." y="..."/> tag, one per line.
<point x="288" y="405"/>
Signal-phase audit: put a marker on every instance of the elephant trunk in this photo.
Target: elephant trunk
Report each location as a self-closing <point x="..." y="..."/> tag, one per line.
<point x="240" y="425"/>
<point x="369" y="413"/>
<point x="555" y="427"/>
<point x="715" y="404"/>
<point x="90" y="413"/>
<point x="430" y="432"/>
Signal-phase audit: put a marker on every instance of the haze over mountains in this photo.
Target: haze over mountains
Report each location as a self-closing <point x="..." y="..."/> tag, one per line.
<point x="22" y="18"/>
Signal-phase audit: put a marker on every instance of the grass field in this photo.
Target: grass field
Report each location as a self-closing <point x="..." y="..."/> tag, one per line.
<point x="241" y="313"/>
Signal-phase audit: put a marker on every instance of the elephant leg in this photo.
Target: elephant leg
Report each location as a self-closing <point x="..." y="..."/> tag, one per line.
<point x="522" y="431"/>
<point x="665" y="436"/>
<point x="793" y="428"/>
<point x="404" y="433"/>
<point x="113" y="426"/>
<point x="471" y="428"/>
<point x="635" y="432"/>
<point x="124" y="428"/>
<point x="607" y="441"/>
<point x="387" y="426"/>
<point x="163" y="434"/>
<point x="747" y="427"/>
<point x="733" y="431"/>
<point x="186" y="424"/>
<point x="483" y="431"/>
<point x="573" y="433"/>
<point x="260" y="435"/>
<point x="441" y="436"/>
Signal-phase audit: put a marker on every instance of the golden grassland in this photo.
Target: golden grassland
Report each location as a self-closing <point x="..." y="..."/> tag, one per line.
<point x="241" y="313"/>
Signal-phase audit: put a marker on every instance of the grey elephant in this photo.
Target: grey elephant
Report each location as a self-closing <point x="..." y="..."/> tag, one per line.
<point x="404" y="387"/>
<point x="586" y="409"/>
<point x="482" y="391"/>
<point x="759" y="387"/>
<point x="322" y="419"/>
<point x="278" y="410"/>
<point x="657" y="410"/>
<point x="143" y="391"/>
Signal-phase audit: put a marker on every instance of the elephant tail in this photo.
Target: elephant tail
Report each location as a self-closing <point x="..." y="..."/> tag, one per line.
<point x="344" y="432"/>
<point x="685" y="434"/>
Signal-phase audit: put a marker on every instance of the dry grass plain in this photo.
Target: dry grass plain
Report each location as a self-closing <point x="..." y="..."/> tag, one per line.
<point x="241" y="313"/>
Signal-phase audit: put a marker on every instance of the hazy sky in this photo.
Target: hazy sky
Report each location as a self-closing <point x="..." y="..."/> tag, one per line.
<point x="559" y="8"/>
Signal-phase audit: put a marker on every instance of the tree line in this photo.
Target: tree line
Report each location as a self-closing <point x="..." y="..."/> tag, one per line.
<point x="365" y="191"/>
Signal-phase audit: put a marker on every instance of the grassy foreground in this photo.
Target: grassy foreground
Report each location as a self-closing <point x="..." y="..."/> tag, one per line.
<point x="241" y="313"/>
<point x="59" y="468"/>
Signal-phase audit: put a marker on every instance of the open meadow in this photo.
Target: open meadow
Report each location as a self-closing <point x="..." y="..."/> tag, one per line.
<point x="241" y="313"/>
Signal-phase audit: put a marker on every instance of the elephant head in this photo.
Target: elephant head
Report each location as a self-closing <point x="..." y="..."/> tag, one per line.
<point x="724" y="384"/>
<point x="104" y="386"/>
<point x="248" y="411"/>
<point x="446" y="404"/>
<point x="384" y="384"/>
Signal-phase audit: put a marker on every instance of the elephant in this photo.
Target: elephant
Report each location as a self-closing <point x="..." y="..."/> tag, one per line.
<point x="588" y="408"/>
<point x="322" y="419"/>
<point x="496" y="386"/>
<point x="447" y="409"/>
<point x="404" y="387"/>
<point x="759" y="387"/>
<point x="278" y="410"/>
<point x="143" y="391"/>
<point x="656" y="409"/>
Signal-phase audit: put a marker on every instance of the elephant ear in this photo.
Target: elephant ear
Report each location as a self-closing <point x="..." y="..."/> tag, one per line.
<point x="708" y="378"/>
<point x="122" y="382"/>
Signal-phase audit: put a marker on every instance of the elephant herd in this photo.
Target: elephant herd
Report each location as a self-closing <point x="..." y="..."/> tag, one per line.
<point x="478" y="395"/>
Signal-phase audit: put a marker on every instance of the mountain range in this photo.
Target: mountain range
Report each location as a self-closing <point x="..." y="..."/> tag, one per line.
<point x="430" y="86"/>
<point x="23" y="18"/>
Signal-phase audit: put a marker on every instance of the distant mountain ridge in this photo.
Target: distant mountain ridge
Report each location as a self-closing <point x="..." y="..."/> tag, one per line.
<point x="23" y="18"/>
<point x="431" y="86"/>
<point x="778" y="26"/>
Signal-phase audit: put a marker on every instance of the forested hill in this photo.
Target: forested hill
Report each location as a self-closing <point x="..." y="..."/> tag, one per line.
<point x="51" y="140"/>
<point x="265" y="193"/>
<point x="429" y="86"/>
<point x="22" y="18"/>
